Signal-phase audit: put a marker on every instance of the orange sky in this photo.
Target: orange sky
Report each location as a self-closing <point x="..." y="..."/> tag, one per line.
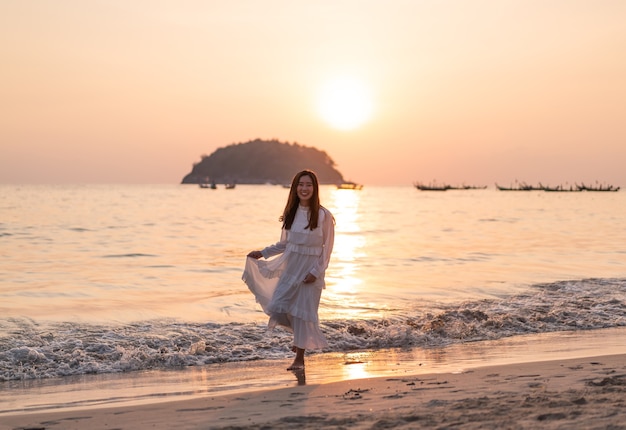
<point x="118" y="91"/>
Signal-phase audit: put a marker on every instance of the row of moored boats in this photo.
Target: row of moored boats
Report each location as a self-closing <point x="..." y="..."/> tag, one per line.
<point x="521" y="186"/>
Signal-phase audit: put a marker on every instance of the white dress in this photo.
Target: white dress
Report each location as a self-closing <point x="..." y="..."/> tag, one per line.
<point x="277" y="283"/>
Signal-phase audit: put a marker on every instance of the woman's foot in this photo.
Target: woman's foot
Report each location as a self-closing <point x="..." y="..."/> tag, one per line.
<point x="296" y="365"/>
<point x="298" y="362"/>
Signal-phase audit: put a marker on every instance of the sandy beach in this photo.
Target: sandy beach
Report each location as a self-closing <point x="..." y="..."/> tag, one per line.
<point x="587" y="392"/>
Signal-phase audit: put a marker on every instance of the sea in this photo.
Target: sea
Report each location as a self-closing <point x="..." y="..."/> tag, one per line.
<point x="129" y="280"/>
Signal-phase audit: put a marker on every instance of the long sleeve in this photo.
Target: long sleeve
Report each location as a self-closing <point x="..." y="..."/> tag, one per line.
<point x="328" y="231"/>
<point x="277" y="248"/>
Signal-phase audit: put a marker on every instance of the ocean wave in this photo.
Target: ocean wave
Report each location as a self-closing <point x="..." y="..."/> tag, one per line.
<point x="32" y="349"/>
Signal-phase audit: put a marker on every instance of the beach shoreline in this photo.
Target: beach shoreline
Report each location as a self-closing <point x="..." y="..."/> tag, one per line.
<point x="583" y="392"/>
<point x="551" y="380"/>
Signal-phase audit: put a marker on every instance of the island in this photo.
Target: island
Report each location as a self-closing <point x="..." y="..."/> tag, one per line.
<point x="262" y="162"/>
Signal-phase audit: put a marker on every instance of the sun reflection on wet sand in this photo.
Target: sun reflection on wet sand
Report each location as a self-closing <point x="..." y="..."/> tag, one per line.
<point x="356" y="365"/>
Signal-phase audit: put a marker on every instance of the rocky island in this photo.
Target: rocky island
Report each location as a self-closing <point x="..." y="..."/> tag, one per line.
<point x="262" y="161"/>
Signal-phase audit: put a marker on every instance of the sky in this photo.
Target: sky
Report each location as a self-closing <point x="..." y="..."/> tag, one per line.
<point x="395" y="91"/>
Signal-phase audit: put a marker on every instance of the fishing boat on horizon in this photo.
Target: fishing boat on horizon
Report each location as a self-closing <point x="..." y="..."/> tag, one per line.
<point x="349" y="186"/>
<point x="522" y="186"/>
<point x="444" y="187"/>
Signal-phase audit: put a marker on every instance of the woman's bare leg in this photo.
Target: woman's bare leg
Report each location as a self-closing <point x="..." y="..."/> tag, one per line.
<point x="298" y="362"/>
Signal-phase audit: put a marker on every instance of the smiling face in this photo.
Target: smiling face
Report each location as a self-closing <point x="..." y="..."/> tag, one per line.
<point x="305" y="190"/>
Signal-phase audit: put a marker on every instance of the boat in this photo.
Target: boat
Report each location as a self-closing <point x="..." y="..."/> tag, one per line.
<point x="604" y="188"/>
<point x="560" y="188"/>
<point x="432" y="187"/>
<point x="349" y="186"/>
<point x="211" y="185"/>
<point x="230" y="186"/>
<point x="469" y="187"/>
<point x="522" y="186"/>
<point x="207" y="183"/>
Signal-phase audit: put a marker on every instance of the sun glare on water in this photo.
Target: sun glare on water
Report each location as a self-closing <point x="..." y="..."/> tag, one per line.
<point x="345" y="103"/>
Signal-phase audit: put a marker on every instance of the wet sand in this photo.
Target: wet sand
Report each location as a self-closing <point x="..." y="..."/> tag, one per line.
<point x="585" y="393"/>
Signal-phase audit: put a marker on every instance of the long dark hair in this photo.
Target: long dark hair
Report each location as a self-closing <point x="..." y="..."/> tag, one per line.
<point x="289" y="213"/>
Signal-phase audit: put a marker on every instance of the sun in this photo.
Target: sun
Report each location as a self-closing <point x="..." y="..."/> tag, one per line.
<point x="345" y="103"/>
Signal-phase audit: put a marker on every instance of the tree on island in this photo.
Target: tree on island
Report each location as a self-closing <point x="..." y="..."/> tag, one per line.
<point x="262" y="161"/>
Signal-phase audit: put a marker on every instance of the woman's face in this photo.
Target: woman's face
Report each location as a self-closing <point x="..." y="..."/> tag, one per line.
<point x="305" y="189"/>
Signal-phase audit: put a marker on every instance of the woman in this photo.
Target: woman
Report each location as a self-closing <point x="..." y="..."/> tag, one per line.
<point x="289" y="287"/>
